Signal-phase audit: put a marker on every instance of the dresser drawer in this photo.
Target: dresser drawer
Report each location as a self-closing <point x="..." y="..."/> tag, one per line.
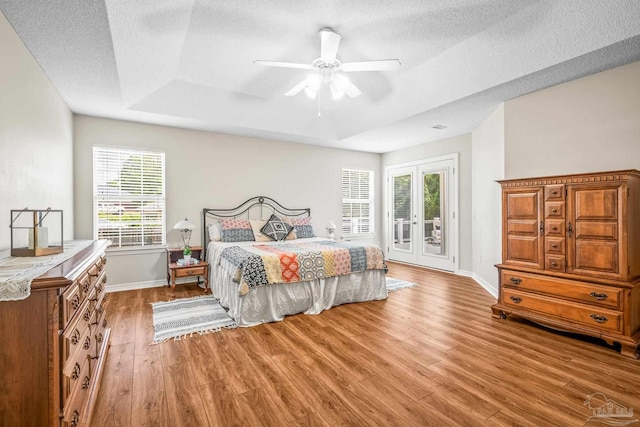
<point x="191" y="271"/>
<point x="554" y="227"/>
<point x="554" y="262"/>
<point x="554" y="192"/>
<point x="76" y="371"/>
<point x="600" y="295"/>
<point x="554" y="245"/>
<point x="554" y="210"/>
<point x="71" y="301"/>
<point x="73" y="404"/>
<point x="595" y="317"/>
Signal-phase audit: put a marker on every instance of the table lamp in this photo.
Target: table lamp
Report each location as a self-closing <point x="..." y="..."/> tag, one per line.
<point x="331" y="227"/>
<point x="185" y="226"/>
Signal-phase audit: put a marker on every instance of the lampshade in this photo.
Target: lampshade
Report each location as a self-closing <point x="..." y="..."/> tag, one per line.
<point x="185" y="224"/>
<point x="330" y="225"/>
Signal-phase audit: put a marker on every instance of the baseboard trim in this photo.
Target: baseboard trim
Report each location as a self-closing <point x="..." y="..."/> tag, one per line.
<point x="147" y="284"/>
<point x="136" y="285"/>
<point x="486" y="285"/>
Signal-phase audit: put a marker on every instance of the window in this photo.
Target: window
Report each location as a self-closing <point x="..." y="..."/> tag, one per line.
<point x="357" y="202"/>
<point x="128" y="197"/>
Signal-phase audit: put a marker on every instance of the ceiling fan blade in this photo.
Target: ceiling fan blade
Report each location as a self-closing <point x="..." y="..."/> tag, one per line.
<point x="352" y="90"/>
<point x="282" y="64"/>
<point x="329" y="43"/>
<point x="298" y="88"/>
<point x="379" y="65"/>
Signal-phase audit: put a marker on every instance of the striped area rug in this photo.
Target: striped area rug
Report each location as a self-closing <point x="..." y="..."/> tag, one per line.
<point x="187" y="316"/>
<point x="394" y="284"/>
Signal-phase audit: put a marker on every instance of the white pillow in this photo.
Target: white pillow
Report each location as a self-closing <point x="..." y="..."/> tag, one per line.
<point x="214" y="231"/>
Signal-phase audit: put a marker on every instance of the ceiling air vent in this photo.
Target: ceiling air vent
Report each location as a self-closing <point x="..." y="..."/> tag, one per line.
<point x="439" y="127"/>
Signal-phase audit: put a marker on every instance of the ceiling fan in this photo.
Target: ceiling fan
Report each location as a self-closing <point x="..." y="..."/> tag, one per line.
<point x="327" y="69"/>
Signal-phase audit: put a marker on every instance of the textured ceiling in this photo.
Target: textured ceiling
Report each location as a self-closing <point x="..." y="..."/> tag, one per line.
<point x="189" y="63"/>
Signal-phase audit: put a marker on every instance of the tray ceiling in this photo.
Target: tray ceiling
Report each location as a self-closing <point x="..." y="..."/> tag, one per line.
<point x="189" y="63"/>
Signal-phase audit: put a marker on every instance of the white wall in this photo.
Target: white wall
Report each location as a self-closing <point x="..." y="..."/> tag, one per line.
<point x="587" y="125"/>
<point x="487" y="149"/>
<point x="208" y="170"/>
<point x="36" y="167"/>
<point x="461" y="145"/>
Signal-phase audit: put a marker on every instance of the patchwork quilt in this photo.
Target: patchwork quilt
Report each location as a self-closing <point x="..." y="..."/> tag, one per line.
<point x="287" y="262"/>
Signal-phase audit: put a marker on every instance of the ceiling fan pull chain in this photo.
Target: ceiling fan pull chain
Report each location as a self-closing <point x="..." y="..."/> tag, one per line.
<point x="319" y="113"/>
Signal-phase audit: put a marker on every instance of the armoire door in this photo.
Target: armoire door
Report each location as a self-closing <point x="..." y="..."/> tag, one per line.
<point x="523" y="241"/>
<point x="594" y="229"/>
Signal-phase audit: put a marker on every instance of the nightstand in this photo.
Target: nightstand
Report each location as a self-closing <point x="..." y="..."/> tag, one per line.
<point x="193" y="270"/>
<point x="175" y="271"/>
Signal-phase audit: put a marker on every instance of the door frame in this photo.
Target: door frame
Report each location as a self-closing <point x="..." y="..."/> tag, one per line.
<point x="453" y="206"/>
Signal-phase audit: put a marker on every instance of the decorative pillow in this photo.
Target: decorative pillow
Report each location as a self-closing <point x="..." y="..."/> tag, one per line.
<point x="256" y="225"/>
<point x="214" y="231"/>
<point x="236" y="230"/>
<point x="303" y="227"/>
<point x="276" y="228"/>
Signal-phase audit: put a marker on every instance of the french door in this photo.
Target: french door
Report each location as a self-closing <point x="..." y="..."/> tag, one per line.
<point x="421" y="213"/>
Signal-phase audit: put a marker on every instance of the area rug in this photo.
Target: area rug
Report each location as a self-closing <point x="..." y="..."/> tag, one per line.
<point x="187" y="316"/>
<point x="394" y="284"/>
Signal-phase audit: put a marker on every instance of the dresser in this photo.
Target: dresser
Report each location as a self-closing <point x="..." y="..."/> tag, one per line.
<point x="54" y="344"/>
<point x="571" y="254"/>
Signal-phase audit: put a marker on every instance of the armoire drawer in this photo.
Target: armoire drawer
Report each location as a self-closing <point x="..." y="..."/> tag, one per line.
<point x="584" y="292"/>
<point x="595" y="317"/>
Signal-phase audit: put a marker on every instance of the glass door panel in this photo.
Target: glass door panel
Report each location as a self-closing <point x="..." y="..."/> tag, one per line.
<point x="402" y="215"/>
<point x="434" y="220"/>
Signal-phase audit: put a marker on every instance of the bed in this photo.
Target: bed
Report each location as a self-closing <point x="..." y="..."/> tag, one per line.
<point x="261" y="280"/>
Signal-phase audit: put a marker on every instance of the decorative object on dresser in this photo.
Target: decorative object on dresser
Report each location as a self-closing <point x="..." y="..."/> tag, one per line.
<point x="55" y="344"/>
<point x="571" y="254"/>
<point x="37" y="234"/>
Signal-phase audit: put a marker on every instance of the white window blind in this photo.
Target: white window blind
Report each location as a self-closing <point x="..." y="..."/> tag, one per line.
<point x="357" y="202"/>
<point x="129" y="196"/>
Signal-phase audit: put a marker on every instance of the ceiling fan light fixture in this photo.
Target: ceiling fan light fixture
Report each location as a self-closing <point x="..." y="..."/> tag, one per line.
<point x="313" y="86"/>
<point x="336" y="93"/>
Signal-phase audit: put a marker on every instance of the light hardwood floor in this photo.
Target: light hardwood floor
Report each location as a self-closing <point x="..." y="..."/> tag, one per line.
<point x="428" y="355"/>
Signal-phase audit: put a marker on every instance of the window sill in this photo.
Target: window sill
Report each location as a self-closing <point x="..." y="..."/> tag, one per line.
<point x="136" y="250"/>
<point x="358" y="236"/>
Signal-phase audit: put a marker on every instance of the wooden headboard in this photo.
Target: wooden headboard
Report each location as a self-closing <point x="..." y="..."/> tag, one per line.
<point x="258" y="207"/>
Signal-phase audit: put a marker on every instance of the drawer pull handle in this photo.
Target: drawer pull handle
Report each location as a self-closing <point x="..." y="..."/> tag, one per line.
<point x="554" y="210"/>
<point x="76" y="372"/>
<point x="554" y="246"/>
<point x="553" y="263"/>
<point x="515" y="280"/>
<point x="85" y="382"/>
<point x="569" y="230"/>
<point x="99" y="338"/>
<point x="87" y="343"/>
<point x="517" y="300"/>
<point x="554" y="228"/>
<point x="104" y="279"/>
<point x="104" y="323"/>
<point x="87" y="315"/>
<point x="75" y="302"/>
<point x="599" y="296"/>
<point x="554" y="192"/>
<point x="598" y="318"/>
<point x="75" y="419"/>
<point x="75" y="338"/>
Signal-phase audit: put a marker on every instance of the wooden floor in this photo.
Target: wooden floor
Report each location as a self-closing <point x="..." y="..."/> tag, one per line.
<point x="428" y="355"/>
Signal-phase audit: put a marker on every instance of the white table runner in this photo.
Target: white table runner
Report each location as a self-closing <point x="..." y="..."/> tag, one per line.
<point x="17" y="273"/>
